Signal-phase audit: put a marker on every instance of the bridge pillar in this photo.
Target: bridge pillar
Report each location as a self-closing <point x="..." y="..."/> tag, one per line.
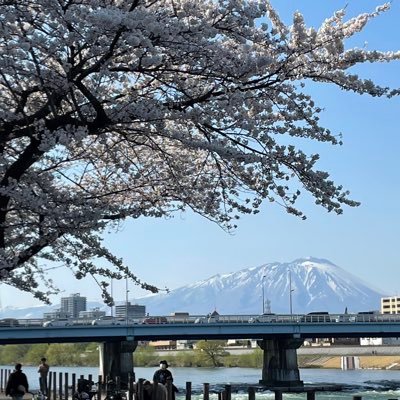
<point x="280" y="366"/>
<point x="116" y="359"/>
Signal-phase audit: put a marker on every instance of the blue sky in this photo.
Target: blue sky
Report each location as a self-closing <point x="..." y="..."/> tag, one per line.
<point x="364" y="240"/>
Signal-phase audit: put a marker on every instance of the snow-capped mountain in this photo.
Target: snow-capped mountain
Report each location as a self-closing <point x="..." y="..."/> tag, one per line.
<point x="317" y="285"/>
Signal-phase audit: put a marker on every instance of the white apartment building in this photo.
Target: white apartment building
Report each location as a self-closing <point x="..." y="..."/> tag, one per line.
<point x="390" y="305"/>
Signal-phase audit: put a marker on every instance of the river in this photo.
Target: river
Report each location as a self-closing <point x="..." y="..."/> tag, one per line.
<point x="370" y="384"/>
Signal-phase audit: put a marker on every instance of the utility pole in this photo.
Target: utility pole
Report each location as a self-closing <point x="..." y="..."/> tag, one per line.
<point x="268" y="306"/>
<point x="126" y="300"/>
<point x="111" y="292"/>
<point x="263" y="295"/>
<point x="290" y="292"/>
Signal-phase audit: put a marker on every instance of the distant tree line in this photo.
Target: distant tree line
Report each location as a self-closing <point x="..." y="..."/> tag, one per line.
<point x="71" y="354"/>
<point x="209" y="353"/>
<point x="212" y="353"/>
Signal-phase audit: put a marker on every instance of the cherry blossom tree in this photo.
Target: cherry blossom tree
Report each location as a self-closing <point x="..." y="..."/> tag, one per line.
<point x="117" y="109"/>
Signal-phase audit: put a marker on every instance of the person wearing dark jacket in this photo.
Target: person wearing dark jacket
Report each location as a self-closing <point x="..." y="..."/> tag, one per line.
<point x="164" y="376"/>
<point x="17" y="384"/>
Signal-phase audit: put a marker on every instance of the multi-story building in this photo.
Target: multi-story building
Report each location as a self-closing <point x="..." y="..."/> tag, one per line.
<point x="390" y="305"/>
<point x="73" y="304"/>
<point x="133" y="310"/>
<point x="163" y="344"/>
<point x="92" y="314"/>
<point x="185" y="344"/>
<point x="56" y="314"/>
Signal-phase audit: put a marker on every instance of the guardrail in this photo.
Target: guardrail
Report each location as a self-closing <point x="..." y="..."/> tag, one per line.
<point x="314" y="318"/>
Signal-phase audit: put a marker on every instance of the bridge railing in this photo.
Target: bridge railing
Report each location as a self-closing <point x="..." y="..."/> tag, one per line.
<point x="271" y="318"/>
<point x="30" y="322"/>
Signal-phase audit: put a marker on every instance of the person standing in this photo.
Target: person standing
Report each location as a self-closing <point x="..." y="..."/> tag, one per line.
<point x="163" y="374"/>
<point x="43" y="372"/>
<point x="17" y="384"/>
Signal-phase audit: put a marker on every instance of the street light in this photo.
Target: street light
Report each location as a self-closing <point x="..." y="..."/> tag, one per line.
<point x="263" y="295"/>
<point x="126" y="302"/>
<point x="290" y="292"/>
<point x="111" y="292"/>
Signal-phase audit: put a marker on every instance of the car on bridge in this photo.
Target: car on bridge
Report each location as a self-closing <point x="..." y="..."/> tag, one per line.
<point x="345" y="318"/>
<point x="155" y="320"/>
<point x="264" y="318"/>
<point x="108" y="320"/>
<point x="179" y="317"/>
<point x="9" y="322"/>
<point x="57" y="322"/>
<point x="317" y="316"/>
<point x="367" y="316"/>
<point x="208" y="319"/>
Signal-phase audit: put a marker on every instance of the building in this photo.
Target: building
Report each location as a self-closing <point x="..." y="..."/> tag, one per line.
<point x="179" y="317"/>
<point x="56" y="314"/>
<point x="185" y="344"/>
<point x="390" y="305"/>
<point x="133" y="311"/>
<point x="92" y="314"/>
<point x="73" y="304"/>
<point x="389" y="341"/>
<point x="163" y="344"/>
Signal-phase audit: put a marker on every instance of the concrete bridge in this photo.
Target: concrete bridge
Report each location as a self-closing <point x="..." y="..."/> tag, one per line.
<point x="279" y="338"/>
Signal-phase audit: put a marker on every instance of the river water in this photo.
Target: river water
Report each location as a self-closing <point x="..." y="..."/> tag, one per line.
<point x="370" y="384"/>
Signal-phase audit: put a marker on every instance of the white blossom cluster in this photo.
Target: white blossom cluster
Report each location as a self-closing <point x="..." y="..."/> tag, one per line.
<point x="115" y="109"/>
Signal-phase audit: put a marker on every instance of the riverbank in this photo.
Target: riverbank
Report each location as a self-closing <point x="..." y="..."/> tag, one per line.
<point x="329" y="357"/>
<point x="317" y="361"/>
<point x="211" y="355"/>
<point x="370" y="357"/>
<point x="365" y="362"/>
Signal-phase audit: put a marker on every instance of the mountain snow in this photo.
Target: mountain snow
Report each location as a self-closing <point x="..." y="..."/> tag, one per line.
<point x="36" y="312"/>
<point x="317" y="285"/>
